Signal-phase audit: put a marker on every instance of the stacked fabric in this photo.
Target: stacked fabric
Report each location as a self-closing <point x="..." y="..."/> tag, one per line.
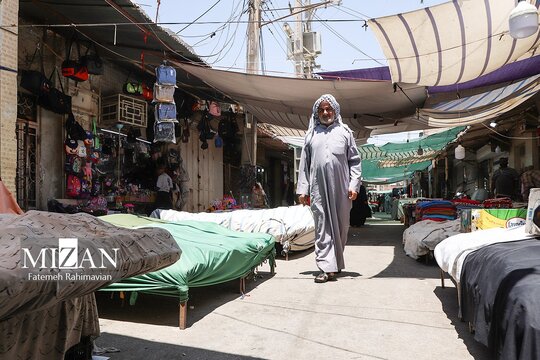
<point x="500" y="203"/>
<point x="461" y="204"/>
<point x="436" y="210"/>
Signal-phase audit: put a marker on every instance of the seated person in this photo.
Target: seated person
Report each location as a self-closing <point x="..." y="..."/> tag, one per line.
<point x="258" y="197"/>
<point x="529" y="179"/>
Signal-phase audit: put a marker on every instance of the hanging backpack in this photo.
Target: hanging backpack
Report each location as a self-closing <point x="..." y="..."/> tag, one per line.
<point x="164" y="132"/>
<point x="165" y="75"/>
<point x="165" y="111"/>
<point x="73" y="164"/>
<point x="164" y="93"/>
<point x="73" y="186"/>
<point x="74" y="130"/>
<point x="214" y="108"/>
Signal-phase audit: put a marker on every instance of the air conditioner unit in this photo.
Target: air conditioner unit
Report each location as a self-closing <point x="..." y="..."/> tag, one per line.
<point x="123" y="109"/>
<point x="312" y="42"/>
<point x="485" y="153"/>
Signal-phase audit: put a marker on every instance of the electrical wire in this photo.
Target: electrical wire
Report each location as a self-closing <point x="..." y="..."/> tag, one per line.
<point x="339" y="36"/>
<point x="200" y="16"/>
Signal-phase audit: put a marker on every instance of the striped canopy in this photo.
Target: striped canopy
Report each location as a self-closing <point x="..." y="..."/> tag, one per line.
<point x="480" y="107"/>
<point x="452" y="42"/>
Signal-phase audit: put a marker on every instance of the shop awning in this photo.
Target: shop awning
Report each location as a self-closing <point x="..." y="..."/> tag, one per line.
<point x="480" y="107"/>
<point x="452" y="42"/>
<point x="373" y="174"/>
<point x="287" y="102"/>
<point x="386" y="163"/>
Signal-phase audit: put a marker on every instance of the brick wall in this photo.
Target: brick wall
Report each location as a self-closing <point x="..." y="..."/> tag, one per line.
<point x="9" y="10"/>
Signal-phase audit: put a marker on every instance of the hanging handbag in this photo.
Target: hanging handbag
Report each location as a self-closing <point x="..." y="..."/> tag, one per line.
<point x="165" y="75"/>
<point x="33" y="80"/>
<point x="55" y="100"/>
<point x="74" y="130"/>
<point x="214" y="108"/>
<point x="147" y="92"/>
<point x="92" y="61"/>
<point x="74" y="69"/>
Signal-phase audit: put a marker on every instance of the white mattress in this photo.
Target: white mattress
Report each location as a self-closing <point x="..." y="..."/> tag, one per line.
<point x="292" y="226"/>
<point x="423" y="236"/>
<point x="451" y="252"/>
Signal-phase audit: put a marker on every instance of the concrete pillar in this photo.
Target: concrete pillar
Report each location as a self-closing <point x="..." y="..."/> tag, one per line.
<point x="9" y="10"/>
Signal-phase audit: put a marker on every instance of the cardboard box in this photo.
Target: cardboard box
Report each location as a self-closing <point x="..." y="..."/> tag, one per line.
<point x="482" y="219"/>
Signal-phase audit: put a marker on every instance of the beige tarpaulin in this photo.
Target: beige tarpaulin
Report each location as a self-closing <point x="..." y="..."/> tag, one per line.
<point x="288" y="101"/>
<point x="452" y="42"/>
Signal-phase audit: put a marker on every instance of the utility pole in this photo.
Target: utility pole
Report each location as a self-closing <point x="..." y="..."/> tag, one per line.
<point x="252" y="67"/>
<point x="305" y="44"/>
<point x="298" y="41"/>
<point x="253" y="37"/>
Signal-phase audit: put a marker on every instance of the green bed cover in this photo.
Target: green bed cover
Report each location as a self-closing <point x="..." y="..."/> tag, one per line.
<point x="211" y="254"/>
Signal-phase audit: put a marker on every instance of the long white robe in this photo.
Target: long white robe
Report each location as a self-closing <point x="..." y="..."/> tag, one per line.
<point x="329" y="168"/>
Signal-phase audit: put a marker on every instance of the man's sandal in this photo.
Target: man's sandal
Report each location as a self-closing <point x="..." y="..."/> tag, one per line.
<point x="324" y="277"/>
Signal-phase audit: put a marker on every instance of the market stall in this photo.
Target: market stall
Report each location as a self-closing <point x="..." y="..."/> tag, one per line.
<point x="292" y="226"/>
<point x="211" y="254"/>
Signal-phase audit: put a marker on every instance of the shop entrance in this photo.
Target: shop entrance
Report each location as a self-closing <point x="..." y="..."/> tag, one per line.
<point x="27" y="160"/>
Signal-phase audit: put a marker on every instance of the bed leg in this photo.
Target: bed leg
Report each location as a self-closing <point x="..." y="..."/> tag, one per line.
<point x="458" y="287"/>
<point x="242" y="285"/>
<point x="442" y="279"/>
<point x="272" y="267"/>
<point x="182" y="321"/>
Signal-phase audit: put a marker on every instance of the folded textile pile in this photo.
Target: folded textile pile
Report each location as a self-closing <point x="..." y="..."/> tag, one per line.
<point x="436" y="210"/>
<point x="461" y="204"/>
<point x="499" y="203"/>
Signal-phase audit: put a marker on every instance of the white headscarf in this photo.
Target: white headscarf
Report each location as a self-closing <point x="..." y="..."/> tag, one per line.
<point x="314" y="120"/>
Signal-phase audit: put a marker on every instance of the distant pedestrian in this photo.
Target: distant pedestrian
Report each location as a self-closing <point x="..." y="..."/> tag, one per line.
<point x="164" y="187"/>
<point x="505" y="181"/>
<point x="329" y="178"/>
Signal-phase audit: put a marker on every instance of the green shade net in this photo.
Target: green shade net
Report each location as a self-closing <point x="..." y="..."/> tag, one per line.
<point x="373" y="174"/>
<point x="393" y="162"/>
<point x="211" y="254"/>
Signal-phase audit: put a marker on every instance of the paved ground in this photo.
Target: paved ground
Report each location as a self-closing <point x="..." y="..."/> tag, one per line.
<point x="384" y="306"/>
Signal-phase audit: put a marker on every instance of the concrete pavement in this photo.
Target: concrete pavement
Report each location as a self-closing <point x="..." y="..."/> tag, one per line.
<point x="383" y="306"/>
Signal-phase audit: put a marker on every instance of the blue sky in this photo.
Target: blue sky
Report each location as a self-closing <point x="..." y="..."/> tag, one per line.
<point x="345" y="44"/>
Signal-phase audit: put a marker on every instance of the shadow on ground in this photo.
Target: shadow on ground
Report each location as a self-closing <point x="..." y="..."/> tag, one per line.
<point x="448" y="298"/>
<point x="151" y="350"/>
<point x="381" y="231"/>
<point x="164" y="310"/>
